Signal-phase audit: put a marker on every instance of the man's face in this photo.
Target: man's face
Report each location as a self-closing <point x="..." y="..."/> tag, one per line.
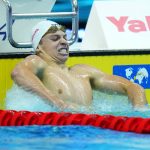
<point x="56" y="46"/>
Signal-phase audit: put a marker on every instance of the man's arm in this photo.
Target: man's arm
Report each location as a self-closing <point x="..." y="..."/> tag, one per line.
<point x="112" y="83"/>
<point x="120" y="85"/>
<point x="25" y="75"/>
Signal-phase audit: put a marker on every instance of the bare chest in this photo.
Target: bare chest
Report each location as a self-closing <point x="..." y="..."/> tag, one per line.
<point x="69" y="86"/>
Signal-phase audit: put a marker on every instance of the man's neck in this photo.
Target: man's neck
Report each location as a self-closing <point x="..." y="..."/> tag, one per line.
<point x="50" y="61"/>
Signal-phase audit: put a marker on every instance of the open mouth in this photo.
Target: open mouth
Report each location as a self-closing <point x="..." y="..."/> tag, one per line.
<point x="63" y="51"/>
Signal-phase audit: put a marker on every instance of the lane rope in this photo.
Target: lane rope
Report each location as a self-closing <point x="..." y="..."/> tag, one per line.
<point x="119" y="123"/>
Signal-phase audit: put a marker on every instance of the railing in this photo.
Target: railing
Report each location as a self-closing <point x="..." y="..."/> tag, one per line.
<point x="11" y="17"/>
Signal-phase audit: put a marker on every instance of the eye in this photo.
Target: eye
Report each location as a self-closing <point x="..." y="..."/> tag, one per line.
<point x="54" y="37"/>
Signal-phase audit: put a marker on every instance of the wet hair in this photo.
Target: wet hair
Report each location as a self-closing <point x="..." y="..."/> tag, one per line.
<point x="54" y="28"/>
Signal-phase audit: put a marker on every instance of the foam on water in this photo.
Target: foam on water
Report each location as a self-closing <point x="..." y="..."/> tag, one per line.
<point x="116" y="104"/>
<point x="19" y="99"/>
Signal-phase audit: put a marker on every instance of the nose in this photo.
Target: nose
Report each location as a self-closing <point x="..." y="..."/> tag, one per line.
<point x="63" y="41"/>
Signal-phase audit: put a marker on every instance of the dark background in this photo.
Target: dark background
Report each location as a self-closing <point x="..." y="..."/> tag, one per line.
<point x="65" y="6"/>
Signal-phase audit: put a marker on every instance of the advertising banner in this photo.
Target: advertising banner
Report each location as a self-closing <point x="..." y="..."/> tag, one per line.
<point x="118" y="25"/>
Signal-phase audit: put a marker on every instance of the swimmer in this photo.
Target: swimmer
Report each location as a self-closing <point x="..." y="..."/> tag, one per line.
<point x="47" y="75"/>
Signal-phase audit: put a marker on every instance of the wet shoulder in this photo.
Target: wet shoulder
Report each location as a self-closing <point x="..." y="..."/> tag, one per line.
<point x="83" y="67"/>
<point x="34" y="59"/>
<point x="80" y="68"/>
<point x="34" y="62"/>
<point x="87" y="69"/>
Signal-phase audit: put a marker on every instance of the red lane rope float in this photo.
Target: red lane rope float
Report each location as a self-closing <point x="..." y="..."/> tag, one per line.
<point x="119" y="123"/>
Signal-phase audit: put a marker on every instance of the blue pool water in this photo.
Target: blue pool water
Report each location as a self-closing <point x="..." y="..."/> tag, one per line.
<point x="70" y="138"/>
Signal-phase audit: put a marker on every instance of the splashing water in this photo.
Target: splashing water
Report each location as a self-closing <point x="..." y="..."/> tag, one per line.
<point x="19" y="99"/>
<point x="118" y="105"/>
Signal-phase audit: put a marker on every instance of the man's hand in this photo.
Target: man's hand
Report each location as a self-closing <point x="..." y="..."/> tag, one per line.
<point x="137" y="95"/>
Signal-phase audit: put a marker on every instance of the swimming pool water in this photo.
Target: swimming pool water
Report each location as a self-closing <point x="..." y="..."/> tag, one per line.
<point x="70" y="138"/>
<point x="19" y="99"/>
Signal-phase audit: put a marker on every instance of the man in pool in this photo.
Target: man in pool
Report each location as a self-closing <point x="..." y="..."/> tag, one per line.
<point x="66" y="87"/>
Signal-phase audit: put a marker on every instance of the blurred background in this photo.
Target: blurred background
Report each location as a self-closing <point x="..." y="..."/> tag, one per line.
<point x="84" y="10"/>
<point x="103" y="31"/>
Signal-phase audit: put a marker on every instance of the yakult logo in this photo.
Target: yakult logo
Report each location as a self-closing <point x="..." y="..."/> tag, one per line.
<point x="134" y="26"/>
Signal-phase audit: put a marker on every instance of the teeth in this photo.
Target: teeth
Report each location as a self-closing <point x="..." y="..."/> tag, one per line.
<point x="63" y="51"/>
